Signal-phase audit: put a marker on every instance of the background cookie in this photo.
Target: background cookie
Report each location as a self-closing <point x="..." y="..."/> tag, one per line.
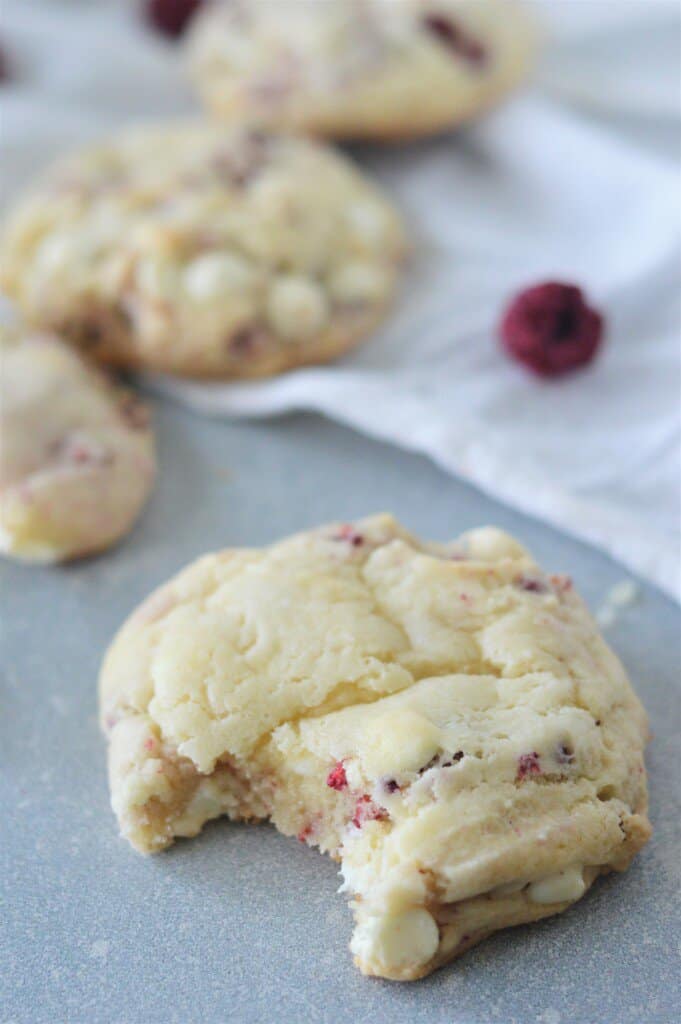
<point x="444" y="719"/>
<point x="205" y="251"/>
<point x="76" y="452"/>
<point x="359" y="68"/>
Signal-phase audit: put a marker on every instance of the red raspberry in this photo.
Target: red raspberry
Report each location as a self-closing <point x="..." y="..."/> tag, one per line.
<point x="528" y="764"/>
<point x="455" y="38"/>
<point x="551" y="329"/>
<point x="366" y="810"/>
<point x="337" y="778"/>
<point x="348" y="534"/>
<point x="170" y="17"/>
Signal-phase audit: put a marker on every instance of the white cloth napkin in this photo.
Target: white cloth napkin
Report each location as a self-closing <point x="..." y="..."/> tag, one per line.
<point x="532" y="193"/>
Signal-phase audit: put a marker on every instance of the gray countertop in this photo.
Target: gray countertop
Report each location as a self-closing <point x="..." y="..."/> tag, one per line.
<point x="242" y="924"/>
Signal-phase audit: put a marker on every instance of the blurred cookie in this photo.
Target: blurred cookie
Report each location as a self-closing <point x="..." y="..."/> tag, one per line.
<point x="359" y="68"/>
<point x="205" y="251"/>
<point x="76" y="452"/>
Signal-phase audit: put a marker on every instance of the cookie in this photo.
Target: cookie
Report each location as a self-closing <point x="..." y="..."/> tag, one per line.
<point x="77" y="457"/>
<point x="383" y="69"/>
<point x="205" y="251"/>
<point x="444" y="719"/>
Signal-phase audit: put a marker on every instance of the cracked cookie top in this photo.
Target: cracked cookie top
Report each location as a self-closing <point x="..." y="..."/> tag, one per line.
<point x="244" y="641"/>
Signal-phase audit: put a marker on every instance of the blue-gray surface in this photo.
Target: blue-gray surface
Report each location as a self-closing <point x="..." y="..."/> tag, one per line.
<point x="242" y="924"/>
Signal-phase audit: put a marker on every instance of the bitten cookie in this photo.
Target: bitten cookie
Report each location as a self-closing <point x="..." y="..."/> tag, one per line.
<point x="392" y="69"/>
<point x="443" y="719"/>
<point x="76" y="452"/>
<point x="205" y="251"/>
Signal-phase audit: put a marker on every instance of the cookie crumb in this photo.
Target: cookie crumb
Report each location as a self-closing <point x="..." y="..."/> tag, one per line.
<point x="621" y="595"/>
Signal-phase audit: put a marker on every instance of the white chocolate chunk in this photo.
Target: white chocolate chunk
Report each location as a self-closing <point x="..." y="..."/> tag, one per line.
<point x="359" y="282"/>
<point x="296" y="307"/>
<point x="409" y="937"/>
<point x="564" y="887"/>
<point x="210" y="276"/>
<point x="399" y="741"/>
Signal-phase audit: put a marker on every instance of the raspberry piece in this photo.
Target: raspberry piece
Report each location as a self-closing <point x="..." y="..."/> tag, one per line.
<point x="531" y="584"/>
<point x="391" y="786"/>
<point x="528" y="764"/>
<point x="551" y="329"/>
<point x="455" y="38"/>
<point x="170" y="17"/>
<point x="347" y="533"/>
<point x="366" y="810"/>
<point x="337" y="778"/>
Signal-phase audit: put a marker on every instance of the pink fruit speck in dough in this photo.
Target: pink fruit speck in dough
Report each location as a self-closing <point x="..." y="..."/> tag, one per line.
<point x="348" y="534"/>
<point x="528" y="765"/>
<point x="551" y="329"/>
<point x="337" y="778"/>
<point x="455" y="38"/>
<point x="367" y="810"/>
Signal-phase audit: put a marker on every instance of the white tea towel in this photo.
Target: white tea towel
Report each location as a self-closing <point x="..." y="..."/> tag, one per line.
<point x="532" y="193"/>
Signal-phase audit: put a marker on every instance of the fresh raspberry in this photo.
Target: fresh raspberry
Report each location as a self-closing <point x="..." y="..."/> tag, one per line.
<point x="171" y="17"/>
<point x="528" y="764"/>
<point x="551" y="329"/>
<point x="337" y="778"/>
<point x="455" y="38"/>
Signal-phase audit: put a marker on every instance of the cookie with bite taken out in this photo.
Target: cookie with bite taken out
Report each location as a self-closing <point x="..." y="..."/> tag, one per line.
<point x="443" y="719"/>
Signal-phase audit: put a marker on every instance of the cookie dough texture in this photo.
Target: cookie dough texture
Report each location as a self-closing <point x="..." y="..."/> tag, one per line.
<point x="444" y="719"/>
<point x="204" y="251"/>
<point x="390" y="69"/>
<point x="76" y="452"/>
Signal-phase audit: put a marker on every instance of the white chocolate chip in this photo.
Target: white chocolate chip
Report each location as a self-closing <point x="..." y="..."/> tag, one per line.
<point x="564" y="887"/>
<point x="359" y="282"/>
<point x="296" y="307"/>
<point x="397" y="742"/>
<point x="210" y="275"/>
<point x="408" y="938"/>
